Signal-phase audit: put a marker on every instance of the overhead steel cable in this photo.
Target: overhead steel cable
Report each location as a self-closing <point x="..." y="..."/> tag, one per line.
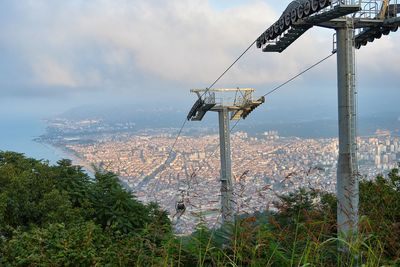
<point x="288" y="81"/>
<point x="195" y="172"/>
<point x="298" y="75"/>
<point x="207" y="89"/>
<point x="228" y="69"/>
<point x="219" y="78"/>
<point x="273" y="90"/>
<point x="176" y="139"/>
<point x="268" y="93"/>
<point x="205" y="92"/>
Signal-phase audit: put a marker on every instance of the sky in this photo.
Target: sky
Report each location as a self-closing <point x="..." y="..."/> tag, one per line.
<point x="57" y="54"/>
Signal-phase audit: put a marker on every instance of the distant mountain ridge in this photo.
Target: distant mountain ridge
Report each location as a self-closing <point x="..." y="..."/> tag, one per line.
<point x="299" y="124"/>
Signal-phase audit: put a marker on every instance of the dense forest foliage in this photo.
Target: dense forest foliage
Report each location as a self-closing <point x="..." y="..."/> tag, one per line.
<point x="59" y="216"/>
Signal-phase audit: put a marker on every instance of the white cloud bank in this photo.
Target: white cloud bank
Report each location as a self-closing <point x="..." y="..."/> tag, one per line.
<point x="81" y="43"/>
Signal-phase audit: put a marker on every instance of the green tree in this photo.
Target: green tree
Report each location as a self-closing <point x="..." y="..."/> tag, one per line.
<point x="59" y="216"/>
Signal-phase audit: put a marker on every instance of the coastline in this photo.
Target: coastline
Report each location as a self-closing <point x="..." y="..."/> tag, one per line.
<point x="64" y="153"/>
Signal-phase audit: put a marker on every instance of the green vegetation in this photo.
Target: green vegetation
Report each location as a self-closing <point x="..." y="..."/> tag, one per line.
<point x="58" y="216"/>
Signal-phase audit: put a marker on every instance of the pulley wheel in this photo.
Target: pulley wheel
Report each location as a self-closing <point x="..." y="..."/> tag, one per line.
<point x="258" y="43"/>
<point x="322" y="3"/>
<point x="293" y="15"/>
<point x="300" y="11"/>
<point x="281" y="23"/>
<point x="314" y="5"/>
<point x="264" y="38"/>
<point x="287" y="20"/>
<point x="307" y="8"/>
<point x="271" y="33"/>
<point x="385" y="31"/>
<point x="276" y="28"/>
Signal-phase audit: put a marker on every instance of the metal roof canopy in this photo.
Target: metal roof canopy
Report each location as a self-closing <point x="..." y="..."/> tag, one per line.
<point x="369" y="20"/>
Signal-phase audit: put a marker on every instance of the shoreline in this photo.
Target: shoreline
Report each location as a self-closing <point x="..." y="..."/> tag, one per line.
<point x="64" y="153"/>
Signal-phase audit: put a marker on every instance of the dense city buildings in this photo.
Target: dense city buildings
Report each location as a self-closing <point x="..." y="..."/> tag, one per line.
<point x="263" y="167"/>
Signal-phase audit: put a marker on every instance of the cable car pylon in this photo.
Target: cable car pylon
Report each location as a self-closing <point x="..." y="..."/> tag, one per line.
<point x="242" y="105"/>
<point x="356" y="23"/>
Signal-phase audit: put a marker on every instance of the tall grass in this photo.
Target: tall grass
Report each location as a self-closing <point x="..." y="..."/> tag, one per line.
<point x="264" y="246"/>
<point x="300" y="233"/>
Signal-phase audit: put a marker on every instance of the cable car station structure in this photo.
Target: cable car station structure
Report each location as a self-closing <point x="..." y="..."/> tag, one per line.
<point x="356" y="23"/>
<point x="242" y="105"/>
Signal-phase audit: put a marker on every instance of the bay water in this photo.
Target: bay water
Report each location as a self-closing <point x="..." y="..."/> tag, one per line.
<point x="18" y="134"/>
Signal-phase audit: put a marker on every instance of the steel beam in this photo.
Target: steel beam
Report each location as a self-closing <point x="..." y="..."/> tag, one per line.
<point x="226" y="167"/>
<point x="347" y="169"/>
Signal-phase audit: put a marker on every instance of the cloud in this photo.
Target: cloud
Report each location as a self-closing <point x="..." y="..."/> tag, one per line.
<point x="51" y="73"/>
<point x="380" y="58"/>
<point x="115" y="43"/>
<point x="178" y="40"/>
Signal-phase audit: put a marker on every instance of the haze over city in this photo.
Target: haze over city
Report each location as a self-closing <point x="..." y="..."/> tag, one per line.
<point x="57" y="55"/>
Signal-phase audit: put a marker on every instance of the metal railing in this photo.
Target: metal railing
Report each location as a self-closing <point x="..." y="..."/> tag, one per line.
<point x="210" y="99"/>
<point x="395" y="8"/>
<point x="370" y="9"/>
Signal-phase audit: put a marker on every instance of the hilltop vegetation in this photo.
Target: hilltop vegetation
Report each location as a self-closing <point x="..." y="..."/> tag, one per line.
<point x="58" y="216"/>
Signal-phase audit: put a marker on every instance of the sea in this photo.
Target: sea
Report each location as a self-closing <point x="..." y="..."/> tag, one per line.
<point x="18" y="134"/>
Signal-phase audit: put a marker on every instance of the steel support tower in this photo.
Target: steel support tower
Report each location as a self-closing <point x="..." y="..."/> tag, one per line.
<point x="356" y="23"/>
<point x="242" y="105"/>
<point x="227" y="207"/>
<point x="347" y="168"/>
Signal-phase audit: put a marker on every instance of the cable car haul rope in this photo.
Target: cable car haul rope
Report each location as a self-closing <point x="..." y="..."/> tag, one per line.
<point x="182" y="200"/>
